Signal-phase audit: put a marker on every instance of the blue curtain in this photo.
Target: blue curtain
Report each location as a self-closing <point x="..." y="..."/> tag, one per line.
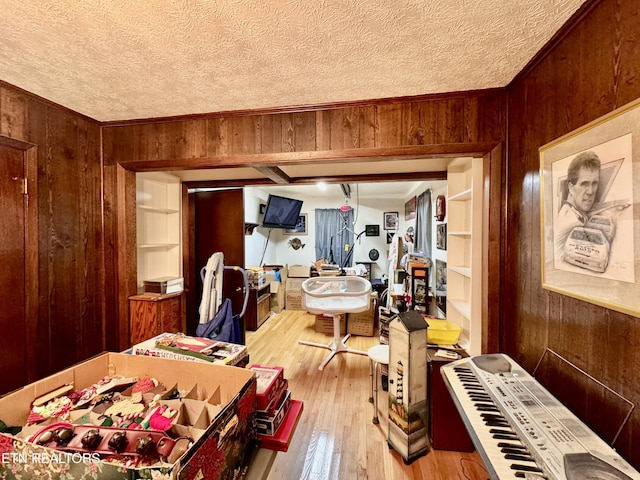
<point x="334" y="231"/>
<point x="422" y="240"/>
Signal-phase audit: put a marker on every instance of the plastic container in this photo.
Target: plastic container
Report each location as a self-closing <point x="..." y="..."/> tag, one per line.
<point x="347" y="294"/>
<point x="442" y="332"/>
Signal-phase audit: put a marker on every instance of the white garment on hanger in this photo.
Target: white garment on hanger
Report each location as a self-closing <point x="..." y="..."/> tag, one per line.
<point x="212" y="287"/>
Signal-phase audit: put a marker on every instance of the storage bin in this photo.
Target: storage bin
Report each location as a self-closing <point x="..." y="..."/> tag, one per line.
<point x="442" y="332"/>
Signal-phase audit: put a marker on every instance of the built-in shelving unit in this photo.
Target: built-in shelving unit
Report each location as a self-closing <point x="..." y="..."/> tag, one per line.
<point x="464" y="255"/>
<point x="158" y="199"/>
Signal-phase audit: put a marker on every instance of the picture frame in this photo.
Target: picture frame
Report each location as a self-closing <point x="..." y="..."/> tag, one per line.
<point x="419" y="287"/>
<point x="390" y="220"/>
<point x="300" y="228"/>
<point x="410" y="208"/>
<point x="590" y="241"/>
<point x="441" y="236"/>
<point x="372" y="230"/>
<point x="440" y="283"/>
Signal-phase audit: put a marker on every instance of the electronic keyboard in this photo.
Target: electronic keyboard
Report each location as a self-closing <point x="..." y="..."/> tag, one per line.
<point x="522" y="431"/>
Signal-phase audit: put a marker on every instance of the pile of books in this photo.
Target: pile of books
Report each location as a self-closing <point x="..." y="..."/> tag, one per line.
<point x="276" y="412"/>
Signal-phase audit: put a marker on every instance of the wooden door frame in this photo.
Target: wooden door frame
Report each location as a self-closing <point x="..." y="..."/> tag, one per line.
<point x="31" y="240"/>
<point x="493" y="155"/>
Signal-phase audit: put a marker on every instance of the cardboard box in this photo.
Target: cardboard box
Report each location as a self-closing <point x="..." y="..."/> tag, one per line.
<point x="278" y="296"/>
<point x="225" y="397"/>
<point x="270" y="382"/>
<point x="181" y="347"/>
<point x="324" y="324"/>
<point x="293" y="293"/>
<point x="299" y="271"/>
<point x="364" y="323"/>
<point x="362" y="326"/>
<point x="268" y="425"/>
<point x="282" y="439"/>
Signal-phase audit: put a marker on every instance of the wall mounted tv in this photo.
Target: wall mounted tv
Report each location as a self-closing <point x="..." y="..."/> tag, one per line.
<point x="281" y="212"/>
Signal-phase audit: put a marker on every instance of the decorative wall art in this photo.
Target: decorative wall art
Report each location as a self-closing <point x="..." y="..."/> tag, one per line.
<point x="390" y="220"/>
<point x="410" y="209"/>
<point x="441" y="285"/>
<point x="300" y="228"/>
<point x="589" y="238"/>
<point x="441" y="236"/>
<point x="372" y="230"/>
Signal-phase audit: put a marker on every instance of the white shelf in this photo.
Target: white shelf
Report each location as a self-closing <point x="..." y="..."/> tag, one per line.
<point x="464" y="252"/>
<point x="150" y="208"/>
<point x="463" y="307"/>
<point x="158" y="197"/>
<point x="158" y="245"/>
<point x="462" y="196"/>
<point x="464" y="271"/>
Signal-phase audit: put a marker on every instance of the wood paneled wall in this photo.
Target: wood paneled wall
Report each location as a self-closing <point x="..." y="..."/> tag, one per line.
<point x="86" y="266"/>
<point x="71" y="306"/>
<point x="469" y="123"/>
<point x="591" y="71"/>
<point x="466" y="118"/>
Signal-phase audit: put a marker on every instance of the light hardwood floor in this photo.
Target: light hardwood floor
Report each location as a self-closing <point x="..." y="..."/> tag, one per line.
<point x="335" y="438"/>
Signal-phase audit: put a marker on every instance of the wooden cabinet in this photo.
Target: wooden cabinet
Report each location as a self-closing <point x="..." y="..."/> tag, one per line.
<point x="150" y="315"/>
<point x="464" y="250"/>
<point x="158" y="200"/>
<point x="258" y="307"/>
<point x="446" y="429"/>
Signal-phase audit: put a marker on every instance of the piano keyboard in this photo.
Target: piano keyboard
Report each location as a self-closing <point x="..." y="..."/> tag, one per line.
<point x="521" y="431"/>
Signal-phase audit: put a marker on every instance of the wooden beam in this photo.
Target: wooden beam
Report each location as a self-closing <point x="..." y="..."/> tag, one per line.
<point x="274" y="173"/>
<point x="369" y="178"/>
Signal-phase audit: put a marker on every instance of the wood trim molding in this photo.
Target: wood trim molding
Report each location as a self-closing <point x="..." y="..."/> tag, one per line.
<point x="325" y="156"/>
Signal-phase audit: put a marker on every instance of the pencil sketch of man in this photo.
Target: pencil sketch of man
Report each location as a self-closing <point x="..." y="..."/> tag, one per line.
<point x="583" y="180"/>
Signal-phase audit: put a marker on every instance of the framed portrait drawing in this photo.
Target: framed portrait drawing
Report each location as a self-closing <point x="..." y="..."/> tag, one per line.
<point x="390" y="220"/>
<point x="410" y="209"/>
<point x="588" y="188"/>
<point x="300" y="228"/>
<point x="441" y="236"/>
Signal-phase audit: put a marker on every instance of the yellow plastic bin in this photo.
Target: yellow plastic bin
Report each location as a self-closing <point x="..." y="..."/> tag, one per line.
<point x="442" y="332"/>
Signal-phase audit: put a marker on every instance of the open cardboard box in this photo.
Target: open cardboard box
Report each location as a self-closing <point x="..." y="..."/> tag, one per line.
<point x="219" y="415"/>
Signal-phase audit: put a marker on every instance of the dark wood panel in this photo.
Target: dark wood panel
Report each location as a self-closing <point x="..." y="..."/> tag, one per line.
<point x="13" y="275"/>
<point x="591" y="70"/>
<point x="218" y="227"/>
<point x="463" y="118"/>
<point x="68" y="318"/>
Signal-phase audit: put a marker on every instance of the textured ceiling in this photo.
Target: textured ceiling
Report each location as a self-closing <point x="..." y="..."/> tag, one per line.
<point x="127" y="59"/>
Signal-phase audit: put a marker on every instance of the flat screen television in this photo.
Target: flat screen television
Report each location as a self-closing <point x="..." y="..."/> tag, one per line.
<point x="281" y="212"/>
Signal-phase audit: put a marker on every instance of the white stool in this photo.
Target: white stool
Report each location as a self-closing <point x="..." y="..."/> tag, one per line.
<point x="377" y="355"/>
